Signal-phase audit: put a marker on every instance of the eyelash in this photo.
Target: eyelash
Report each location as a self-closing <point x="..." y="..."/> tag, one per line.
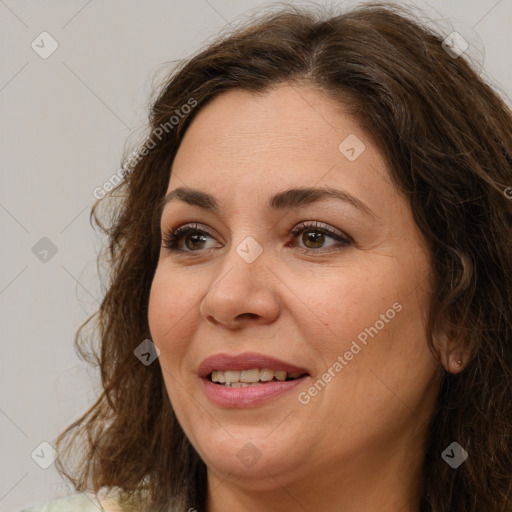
<point x="170" y="240"/>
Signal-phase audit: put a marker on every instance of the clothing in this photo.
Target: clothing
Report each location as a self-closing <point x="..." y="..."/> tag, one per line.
<point x="84" y="502"/>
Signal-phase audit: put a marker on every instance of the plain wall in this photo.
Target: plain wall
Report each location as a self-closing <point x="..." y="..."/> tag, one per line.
<point x="65" y="120"/>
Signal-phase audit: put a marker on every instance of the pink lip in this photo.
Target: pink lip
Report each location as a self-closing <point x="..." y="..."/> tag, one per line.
<point x="240" y="398"/>
<point x="249" y="396"/>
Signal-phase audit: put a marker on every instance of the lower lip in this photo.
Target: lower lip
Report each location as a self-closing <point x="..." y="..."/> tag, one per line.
<point x="250" y="396"/>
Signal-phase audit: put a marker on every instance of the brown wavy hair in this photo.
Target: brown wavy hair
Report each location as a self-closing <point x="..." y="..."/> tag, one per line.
<point x="447" y="139"/>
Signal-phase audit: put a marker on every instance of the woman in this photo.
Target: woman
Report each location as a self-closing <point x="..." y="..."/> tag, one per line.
<point x="310" y="305"/>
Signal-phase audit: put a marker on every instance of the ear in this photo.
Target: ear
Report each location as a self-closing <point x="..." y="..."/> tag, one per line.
<point x="452" y="353"/>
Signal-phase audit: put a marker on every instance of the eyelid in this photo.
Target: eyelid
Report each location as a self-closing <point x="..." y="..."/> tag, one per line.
<point x="320" y="226"/>
<point x="173" y="233"/>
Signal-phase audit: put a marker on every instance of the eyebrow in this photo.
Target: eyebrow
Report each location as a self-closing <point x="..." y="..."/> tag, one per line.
<point x="288" y="199"/>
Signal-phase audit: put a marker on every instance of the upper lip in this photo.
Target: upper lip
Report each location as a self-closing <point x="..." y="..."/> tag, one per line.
<point x="245" y="361"/>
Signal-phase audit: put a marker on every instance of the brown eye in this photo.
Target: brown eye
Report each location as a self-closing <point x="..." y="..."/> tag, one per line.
<point x="194" y="238"/>
<point x="316" y="239"/>
<point x="314" y="236"/>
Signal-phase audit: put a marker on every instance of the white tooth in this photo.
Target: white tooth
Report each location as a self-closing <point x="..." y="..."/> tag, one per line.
<point x="266" y="374"/>
<point x="232" y="376"/>
<point x="239" y="385"/>
<point x="250" y="375"/>
<point x="218" y="376"/>
<point x="280" y="375"/>
<point x="295" y="375"/>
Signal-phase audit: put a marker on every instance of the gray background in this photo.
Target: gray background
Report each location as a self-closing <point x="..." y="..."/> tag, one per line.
<point x="65" y="121"/>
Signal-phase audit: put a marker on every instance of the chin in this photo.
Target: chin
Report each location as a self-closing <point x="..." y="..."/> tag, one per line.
<point x="252" y="463"/>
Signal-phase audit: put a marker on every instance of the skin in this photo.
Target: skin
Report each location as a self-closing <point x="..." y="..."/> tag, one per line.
<point x="358" y="445"/>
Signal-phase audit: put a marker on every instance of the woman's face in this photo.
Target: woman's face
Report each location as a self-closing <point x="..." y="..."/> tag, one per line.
<point x="331" y="289"/>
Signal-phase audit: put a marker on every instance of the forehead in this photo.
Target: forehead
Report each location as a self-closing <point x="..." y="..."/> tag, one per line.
<point x="247" y="143"/>
<point x="288" y="118"/>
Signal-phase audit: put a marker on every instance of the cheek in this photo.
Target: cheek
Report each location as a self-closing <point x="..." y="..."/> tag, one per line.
<point x="169" y="312"/>
<point x="375" y="322"/>
<point x="387" y="366"/>
<point x="345" y="304"/>
<point x="170" y="324"/>
<point x="158" y="306"/>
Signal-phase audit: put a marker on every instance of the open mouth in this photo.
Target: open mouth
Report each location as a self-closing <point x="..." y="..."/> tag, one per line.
<point x="252" y="377"/>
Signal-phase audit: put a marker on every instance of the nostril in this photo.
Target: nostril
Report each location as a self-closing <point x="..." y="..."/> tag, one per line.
<point x="247" y="315"/>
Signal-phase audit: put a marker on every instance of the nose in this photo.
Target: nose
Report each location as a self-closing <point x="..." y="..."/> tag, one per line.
<point x="241" y="293"/>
